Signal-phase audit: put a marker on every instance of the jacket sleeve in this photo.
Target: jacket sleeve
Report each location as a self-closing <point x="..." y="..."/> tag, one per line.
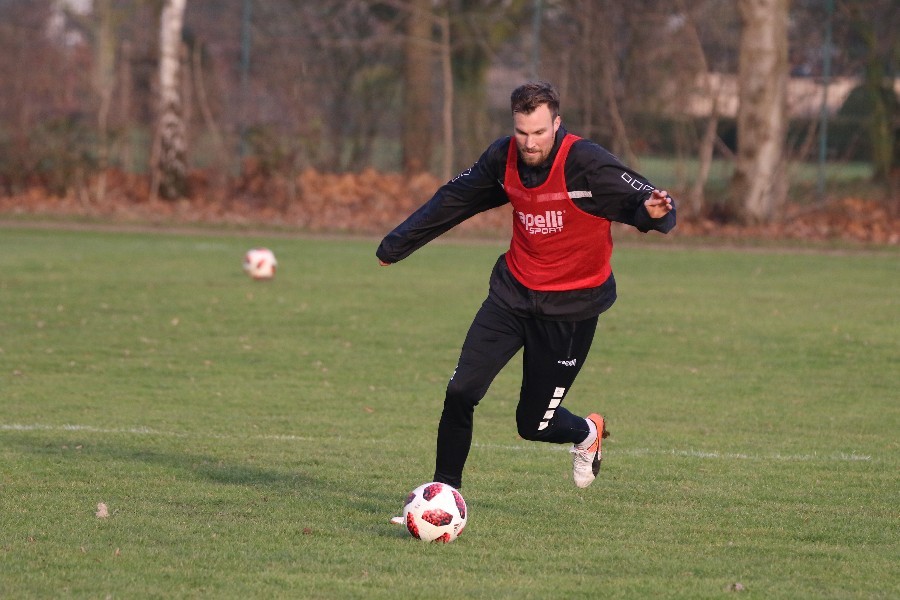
<point x="616" y="193"/>
<point x="475" y="190"/>
<point x="644" y="222"/>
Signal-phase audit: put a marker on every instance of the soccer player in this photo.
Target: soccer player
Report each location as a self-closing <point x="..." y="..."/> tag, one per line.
<point x="548" y="290"/>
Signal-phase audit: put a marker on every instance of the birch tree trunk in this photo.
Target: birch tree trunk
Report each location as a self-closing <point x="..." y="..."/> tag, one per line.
<point x="170" y="150"/>
<point x="760" y="179"/>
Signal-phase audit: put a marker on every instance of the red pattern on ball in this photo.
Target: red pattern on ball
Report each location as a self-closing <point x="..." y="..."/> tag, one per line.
<point x="411" y="526"/>
<point x="432" y="490"/>
<point x="460" y="504"/>
<point x="437" y="517"/>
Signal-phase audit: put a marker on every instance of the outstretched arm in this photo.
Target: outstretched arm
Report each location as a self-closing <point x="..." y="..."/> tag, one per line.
<point x="474" y="191"/>
<point x="616" y="192"/>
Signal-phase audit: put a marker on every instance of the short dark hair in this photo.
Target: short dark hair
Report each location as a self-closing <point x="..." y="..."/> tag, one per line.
<point x="527" y="97"/>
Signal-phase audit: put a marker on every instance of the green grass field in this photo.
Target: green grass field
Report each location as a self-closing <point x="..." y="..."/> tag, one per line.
<point x="252" y="440"/>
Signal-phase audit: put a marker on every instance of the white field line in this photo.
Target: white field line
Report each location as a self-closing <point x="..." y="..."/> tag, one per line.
<point x="704" y="454"/>
<point x="701" y="454"/>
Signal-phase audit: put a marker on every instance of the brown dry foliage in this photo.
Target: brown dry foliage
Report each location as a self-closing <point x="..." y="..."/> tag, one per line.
<point x="370" y="202"/>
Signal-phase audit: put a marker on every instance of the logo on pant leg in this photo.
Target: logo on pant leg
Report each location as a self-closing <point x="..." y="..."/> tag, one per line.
<point x="555" y="401"/>
<point x="568" y="363"/>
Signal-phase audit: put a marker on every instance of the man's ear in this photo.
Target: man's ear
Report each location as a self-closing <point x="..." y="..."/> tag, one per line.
<point x="556" y="123"/>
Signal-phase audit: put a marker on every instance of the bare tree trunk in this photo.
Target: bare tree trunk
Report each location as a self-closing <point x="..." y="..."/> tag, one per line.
<point x="104" y="81"/>
<point x="126" y="151"/>
<point x="203" y="102"/>
<point x="447" y="115"/>
<point x="609" y="74"/>
<point x="470" y="62"/>
<point x="417" y="88"/>
<point x="710" y="89"/>
<point x="880" y="90"/>
<point x="170" y="150"/>
<point x="705" y="158"/>
<point x="587" y="62"/>
<point x="759" y="180"/>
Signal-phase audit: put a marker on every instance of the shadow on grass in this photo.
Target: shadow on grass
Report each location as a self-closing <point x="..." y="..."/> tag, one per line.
<point x="74" y="459"/>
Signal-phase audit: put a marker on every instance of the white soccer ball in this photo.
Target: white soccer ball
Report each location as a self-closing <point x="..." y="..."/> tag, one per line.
<point x="260" y="263"/>
<point x="435" y="512"/>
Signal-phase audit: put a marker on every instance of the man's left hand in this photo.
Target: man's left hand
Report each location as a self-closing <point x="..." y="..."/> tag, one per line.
<point x="659" y="204"/>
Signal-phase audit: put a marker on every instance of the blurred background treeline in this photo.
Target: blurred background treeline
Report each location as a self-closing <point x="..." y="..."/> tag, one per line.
<point x="744" y="107"/>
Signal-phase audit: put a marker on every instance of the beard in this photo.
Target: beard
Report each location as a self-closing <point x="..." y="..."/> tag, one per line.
<point x="533" y="159"/>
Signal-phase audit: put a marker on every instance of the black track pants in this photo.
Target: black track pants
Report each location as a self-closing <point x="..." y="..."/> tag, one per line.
<point x="553" y="356"/>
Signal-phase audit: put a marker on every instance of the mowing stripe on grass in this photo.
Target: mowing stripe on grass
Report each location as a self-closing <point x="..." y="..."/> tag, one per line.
<point x="146" y="431"/>
<point x="634" y="452"/>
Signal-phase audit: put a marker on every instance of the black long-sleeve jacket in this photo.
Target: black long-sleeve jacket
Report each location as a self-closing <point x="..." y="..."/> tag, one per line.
<point x="610" y="190"/>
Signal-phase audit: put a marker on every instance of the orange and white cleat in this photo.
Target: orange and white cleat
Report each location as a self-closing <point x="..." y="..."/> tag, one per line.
<point x="586" y="460"/>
